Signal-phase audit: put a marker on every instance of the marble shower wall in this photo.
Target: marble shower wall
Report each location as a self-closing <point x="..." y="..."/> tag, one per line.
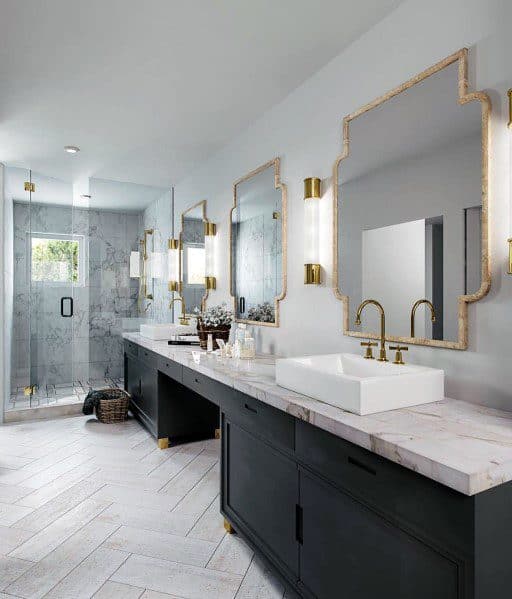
<point x="49" y="349"/>
<point x="158" y="216"/>
<point x="258" y="260"/>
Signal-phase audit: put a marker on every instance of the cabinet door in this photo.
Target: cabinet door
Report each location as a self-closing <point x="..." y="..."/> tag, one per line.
<point x="349" y="551"/>
<point x="149" y="399"/>
<point x="132" y="379"/>
<point x="261" y="490"/>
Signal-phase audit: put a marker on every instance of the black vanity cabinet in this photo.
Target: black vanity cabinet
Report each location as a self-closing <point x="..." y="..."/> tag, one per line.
<point x="169" y="410"/>
<point x="336" y="521"/>
<point x="261" y="490"/>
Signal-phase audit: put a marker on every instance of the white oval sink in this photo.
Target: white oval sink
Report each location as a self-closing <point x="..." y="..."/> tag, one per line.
<point x="361" y="386"/>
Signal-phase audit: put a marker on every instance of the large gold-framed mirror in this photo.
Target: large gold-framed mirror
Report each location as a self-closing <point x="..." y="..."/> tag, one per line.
<point x="257" y="235"/>
<point x="411" y="208"/>
<point x="193" y="289"/>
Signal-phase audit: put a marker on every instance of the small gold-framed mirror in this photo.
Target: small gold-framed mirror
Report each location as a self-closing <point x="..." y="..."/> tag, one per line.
<point x="411" y="208"/>
<point x="193" y="289"/>
<point x="257" y="232"/>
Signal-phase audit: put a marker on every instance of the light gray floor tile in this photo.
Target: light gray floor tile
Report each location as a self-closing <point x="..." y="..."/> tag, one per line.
<point x="210" y="526"/>
<point x="11" y="569"/>
<point x="134" y="497"/>
<point x="11" y="513"/>
<point x="232" y="555"/>
<point x="12" y="493"/>
<point x="116" y="590"/>
<point x="184" y="550"/>
<point x="147" y="519"/>
<point x="48" y="492"/>
<point x="189" y="582"/>
<point x="116" y="476"/>
<point x="200" y="497"/>
<point x="48" y="513"/>
<point x="13" y="462"/>
<point x="10" y="538"/>
<point x="53" y="535"/>
<point x="187" y="479"/>
<point x="156" y="595"/>
<point x="260" y="583"/>
<point x="44" y="575"/>
<point x="89" y="576"/>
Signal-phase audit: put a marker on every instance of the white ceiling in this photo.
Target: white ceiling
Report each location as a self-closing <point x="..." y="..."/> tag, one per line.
<point x="148" y="89"/>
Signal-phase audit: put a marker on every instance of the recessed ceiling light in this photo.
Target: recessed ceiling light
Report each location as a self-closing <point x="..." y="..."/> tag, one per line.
<point x="72" y="149"/>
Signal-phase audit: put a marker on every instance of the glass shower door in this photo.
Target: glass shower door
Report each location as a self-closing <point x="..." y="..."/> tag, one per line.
<point x="55" y="271"/>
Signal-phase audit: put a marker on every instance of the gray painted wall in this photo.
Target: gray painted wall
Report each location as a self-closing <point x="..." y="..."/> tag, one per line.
<point x="305" y="130"/>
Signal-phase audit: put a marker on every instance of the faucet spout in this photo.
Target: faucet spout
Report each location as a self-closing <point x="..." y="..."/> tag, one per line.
<point x="362" y="306"/>
<point x="416" y="305"/>
<point x="183" y="318"/>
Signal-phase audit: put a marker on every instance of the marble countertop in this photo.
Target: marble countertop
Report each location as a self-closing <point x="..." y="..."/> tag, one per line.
<point x="460" y="445"/>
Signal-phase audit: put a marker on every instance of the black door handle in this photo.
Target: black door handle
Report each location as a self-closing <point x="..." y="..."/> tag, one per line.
<point x="70" y="313"/>
<point x="241" y="305"/>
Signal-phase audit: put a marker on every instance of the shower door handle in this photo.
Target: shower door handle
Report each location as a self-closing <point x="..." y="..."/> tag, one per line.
<point x="241" y="305"/>
<point x="69" y="313"/>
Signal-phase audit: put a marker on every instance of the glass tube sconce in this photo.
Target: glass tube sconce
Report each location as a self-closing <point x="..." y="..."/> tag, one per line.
<point x="210" y="231"/>
<point x="173" y="264"/>
<point x="510" y="127"/>
<point x="312" y="195"/>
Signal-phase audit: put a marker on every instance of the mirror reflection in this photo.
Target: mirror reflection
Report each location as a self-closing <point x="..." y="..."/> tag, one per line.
<point x="193" y="289"/>
<point x="410" y="213"/>
<point x="257" y="227"/>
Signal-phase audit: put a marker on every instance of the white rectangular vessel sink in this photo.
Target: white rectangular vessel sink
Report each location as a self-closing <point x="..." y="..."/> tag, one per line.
<point x="160" y="332"/>
<point x="361" y="386"/>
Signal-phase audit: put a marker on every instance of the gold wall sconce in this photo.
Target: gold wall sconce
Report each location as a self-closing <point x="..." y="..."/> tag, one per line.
<point x="510" y="108"/>
<point x="173" y="264"/>
<point x="210" y="232"/>
<point x="312" y="195"/>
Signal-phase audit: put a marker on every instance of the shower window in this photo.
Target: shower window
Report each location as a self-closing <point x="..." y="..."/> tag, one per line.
<point x="57" y="259"/>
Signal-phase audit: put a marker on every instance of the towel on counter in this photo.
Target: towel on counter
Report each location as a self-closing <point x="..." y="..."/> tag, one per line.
<point x="92" y="400"/>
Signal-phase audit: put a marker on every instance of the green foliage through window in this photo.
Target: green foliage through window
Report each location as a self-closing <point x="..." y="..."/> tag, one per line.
<point x="55" y="260"/>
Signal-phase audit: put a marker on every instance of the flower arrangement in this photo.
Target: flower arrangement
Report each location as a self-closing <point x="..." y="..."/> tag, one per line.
<point x="215" y="317"/>
<point x="216" y="321"/>
<point x="262" y="313"/>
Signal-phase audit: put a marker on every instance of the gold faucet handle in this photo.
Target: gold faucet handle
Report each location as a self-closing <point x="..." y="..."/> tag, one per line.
<point x="398" y="356"/>
<point x="369" y="351"/>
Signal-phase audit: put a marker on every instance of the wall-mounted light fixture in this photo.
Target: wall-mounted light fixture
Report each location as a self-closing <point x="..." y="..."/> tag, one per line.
<point x="510" y="127"/>
<point x="210" y="231"/>
<point x="510" y="108"/>
<point x="173" y="264"/>
<point x="312" y="195"/>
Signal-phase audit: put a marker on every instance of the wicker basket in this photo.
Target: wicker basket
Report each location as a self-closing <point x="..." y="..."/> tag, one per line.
<point x="114" y="409"/>
<point x="216" y="333"/>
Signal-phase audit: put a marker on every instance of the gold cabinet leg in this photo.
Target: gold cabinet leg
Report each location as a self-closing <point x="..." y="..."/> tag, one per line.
<point x="217" y="433"/>
<point x="163" y="443"/>
<point x="228" y="528"/>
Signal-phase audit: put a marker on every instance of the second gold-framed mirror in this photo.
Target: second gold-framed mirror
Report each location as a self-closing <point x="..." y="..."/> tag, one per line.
<point x="257" y="232"/>
<point x="192" y="264"/>
<point x="411" y="208"/>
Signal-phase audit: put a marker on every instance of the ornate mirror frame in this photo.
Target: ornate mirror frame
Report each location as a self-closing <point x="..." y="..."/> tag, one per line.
<point x="275" y="163"/>
<point x="202" y="205"/>
<point x="465" y="96"/>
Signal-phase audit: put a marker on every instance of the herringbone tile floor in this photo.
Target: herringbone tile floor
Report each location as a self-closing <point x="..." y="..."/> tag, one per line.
<point x="94" y="510"/>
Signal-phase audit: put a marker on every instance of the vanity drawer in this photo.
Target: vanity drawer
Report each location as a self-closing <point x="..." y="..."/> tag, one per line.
<point x="423" y="506"/>
<point x="148" y="357"/>
<point x="171" y="369"/>
<point x="203" y="385"/>
<point x="131" y="348"/>
<point x="260" y="419"/>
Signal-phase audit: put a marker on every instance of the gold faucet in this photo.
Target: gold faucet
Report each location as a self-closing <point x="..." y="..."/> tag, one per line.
<point x="382" y="353"/>
<point x="415" y="307"/>
<point x="183" y="318"/>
